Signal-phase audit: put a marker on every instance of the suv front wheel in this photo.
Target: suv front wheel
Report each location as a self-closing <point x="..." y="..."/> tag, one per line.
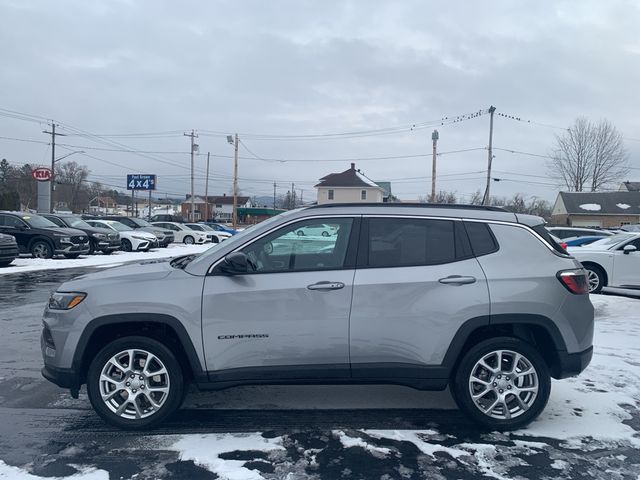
<point x="135" y="383"/>
<point x="502" y="383"/>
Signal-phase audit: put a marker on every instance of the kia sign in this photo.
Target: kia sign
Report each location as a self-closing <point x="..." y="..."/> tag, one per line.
<point x="141" y="182"/>
<point x="41" y="174"/>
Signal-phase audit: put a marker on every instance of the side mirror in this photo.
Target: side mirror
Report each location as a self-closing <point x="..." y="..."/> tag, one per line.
<point x="234" y="263"/>
<point x="628" y="249"/>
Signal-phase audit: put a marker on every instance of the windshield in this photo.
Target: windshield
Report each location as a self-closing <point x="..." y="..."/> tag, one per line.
<point x="609" y="242"/>
<point x="140" y="222"/>
<point x="36" y="221"/>
<point x="76" y="222"/>
<point x="120" y="227"/>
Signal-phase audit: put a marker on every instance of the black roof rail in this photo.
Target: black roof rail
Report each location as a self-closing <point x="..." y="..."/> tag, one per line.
<point x="457" y="206"/>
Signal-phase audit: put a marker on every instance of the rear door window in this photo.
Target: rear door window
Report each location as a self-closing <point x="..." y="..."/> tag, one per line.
<point x="404" y="242"/>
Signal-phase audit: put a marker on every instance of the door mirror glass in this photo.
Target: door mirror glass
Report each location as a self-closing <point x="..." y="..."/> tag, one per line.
<point x="628" y="249"/>
<point x="234" y="263"/>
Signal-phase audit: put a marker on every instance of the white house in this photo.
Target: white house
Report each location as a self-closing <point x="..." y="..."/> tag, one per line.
<point x="350" y="186"/>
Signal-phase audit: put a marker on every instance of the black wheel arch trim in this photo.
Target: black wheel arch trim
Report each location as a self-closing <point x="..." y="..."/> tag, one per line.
<point x="199" y="374"/>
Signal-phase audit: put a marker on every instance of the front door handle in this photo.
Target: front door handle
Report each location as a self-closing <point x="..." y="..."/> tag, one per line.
<point x="326" y="286"/>
<point x="457" y="280"/>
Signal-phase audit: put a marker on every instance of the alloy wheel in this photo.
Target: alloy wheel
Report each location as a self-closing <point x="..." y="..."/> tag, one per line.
<point x="594" y="280"/>
<point x="503" y="384"/>
<point x="134" y="384"/>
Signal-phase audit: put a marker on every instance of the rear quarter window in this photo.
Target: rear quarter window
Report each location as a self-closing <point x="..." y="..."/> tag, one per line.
<point x="482" y="239"/>
<point x="544" y="233"/>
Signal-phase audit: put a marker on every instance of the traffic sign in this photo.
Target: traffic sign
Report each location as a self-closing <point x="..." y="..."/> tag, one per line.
<point x="136" y="181"/>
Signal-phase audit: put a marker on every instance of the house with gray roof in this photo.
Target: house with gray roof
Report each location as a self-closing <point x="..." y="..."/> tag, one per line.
<point x="630" y="187"/>
<point x="596" y="209"/>
<point x="350" y="186"/>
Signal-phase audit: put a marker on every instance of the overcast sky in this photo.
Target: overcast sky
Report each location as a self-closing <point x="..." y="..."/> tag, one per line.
<point x="293" y="68"/>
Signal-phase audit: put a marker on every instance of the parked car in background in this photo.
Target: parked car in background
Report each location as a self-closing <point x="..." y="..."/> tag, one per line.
<point x="474" y="298"/>
<point x="579" y="241"/>
<point x="631" y="228"/>
<point x="213" y="235"/>
<point x="164" y="236"/>
<point x="165" y="217"/>
<point x="321" y="229"/>
<point x="8" y="249"/>
<point x="102" y="240"/>
<point x="611" y="262"/>
<point x="182" y="233"/>
<point x="42" y="238"/>
<point x="130" y="240"/>
<point x="219" y="227"/>
<point x="568" y="232"/>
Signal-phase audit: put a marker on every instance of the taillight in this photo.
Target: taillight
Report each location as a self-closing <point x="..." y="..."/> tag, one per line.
<point x="564" y="246"/>
<point x="576" y="281"/>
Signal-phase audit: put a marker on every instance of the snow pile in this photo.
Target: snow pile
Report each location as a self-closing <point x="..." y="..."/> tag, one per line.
<point x="14" y="473"/>
<point x="592" y="207"/>
<point x="623" y="206"/>
<point x="206" y="450"/>
<point x="27" y="264"/>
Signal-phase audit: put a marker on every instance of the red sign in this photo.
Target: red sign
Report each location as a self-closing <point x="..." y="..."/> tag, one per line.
<point x="42" y="174"/>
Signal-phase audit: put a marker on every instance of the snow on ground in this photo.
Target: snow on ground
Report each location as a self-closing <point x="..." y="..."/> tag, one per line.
<point x="623" y="206"/>
<point x="28" y="264"/>
<point x="14" y="473"/>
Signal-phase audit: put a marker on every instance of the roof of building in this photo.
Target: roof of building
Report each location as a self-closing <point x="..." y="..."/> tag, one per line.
<point x="220" y="200"/>
<point x="630" y="186"/>
<point x="601" y="203"/>
<point x="348" y="178"/>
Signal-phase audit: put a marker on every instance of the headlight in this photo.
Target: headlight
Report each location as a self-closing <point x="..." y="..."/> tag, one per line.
<point x="65" y="239"/>
<point x="65" y="300"/>
<point x="100" y="235"/>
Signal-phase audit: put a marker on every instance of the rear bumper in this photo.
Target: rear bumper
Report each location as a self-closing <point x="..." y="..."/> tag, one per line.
<point x="572" y="364"/>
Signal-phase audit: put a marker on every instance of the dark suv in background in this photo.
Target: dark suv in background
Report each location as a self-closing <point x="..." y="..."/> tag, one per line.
<point x="8" y="250"/>
<point x="101" y="239"/>
<point x="41" y="237"/>
<point x="165" y="237"/>
<point x="165" y="217"/>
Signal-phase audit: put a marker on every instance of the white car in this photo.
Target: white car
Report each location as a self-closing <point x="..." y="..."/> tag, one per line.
<point x="130" y="240"/>
<point x="213" y="235"/>
<point x="182" y="233"/>
<point x="320" y="229"/>
<point x="611" y="262"/>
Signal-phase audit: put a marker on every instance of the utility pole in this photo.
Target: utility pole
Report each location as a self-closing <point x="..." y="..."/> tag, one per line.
<point x="235" y="182"/>
<point x="194" y="147"/>
<point x="487" y="192"/>
<point x="274" y="195"/>
<point x="53" y="134"/>
<point x="301" y="194"/>
<point x="434" y="137"/>
<point x="206" y="191"/>
<point x="292" y="197"/>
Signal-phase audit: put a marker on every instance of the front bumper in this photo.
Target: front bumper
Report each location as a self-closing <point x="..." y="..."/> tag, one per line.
<point x="571" y="364"/>
<point x="167" y="240"/>
<point x="111" y="245"/>
<point x="79" y="248"/>
<point x="62" y="377"/>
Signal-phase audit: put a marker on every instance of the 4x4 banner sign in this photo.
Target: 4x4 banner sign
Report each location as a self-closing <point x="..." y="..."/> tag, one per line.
<point x="136" y="181"/>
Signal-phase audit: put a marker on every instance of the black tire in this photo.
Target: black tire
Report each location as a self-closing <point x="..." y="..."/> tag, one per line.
<point x="595" y="273"/>
<point x="107" y="252"/>
<point x="300" y="233"/>
<point x="188" y="240"/>
<point x="92" y="248"/>
<point x="125" y="245"/>
<point x="41" y="249"/>
<point x="325" y="233"/>
<point x="71" y="256"/>
<point x="5" y="264"/>
<point x="461" y="384"/>
<point x="174" y="396"/>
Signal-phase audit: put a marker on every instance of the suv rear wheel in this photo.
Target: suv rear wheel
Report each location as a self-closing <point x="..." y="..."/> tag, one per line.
<point x="135" y="383"/>
<point x="502" y="383"/>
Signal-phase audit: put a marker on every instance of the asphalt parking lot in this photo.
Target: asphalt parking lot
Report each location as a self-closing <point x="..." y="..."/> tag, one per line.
<point x="304" y="432"/>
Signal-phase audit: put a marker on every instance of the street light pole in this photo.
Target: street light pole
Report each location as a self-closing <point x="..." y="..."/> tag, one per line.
<point x="434" y="137"/>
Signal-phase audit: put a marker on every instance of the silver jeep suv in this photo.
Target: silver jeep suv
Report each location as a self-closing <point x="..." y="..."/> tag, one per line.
<point x="427" y="296"/>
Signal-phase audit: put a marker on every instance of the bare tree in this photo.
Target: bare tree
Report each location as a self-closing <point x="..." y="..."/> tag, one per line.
<point x="589" y="156"/>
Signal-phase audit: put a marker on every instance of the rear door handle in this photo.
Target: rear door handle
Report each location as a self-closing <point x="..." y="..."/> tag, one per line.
<point x="326" y="286"/>
<point x="457" y="280"/>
